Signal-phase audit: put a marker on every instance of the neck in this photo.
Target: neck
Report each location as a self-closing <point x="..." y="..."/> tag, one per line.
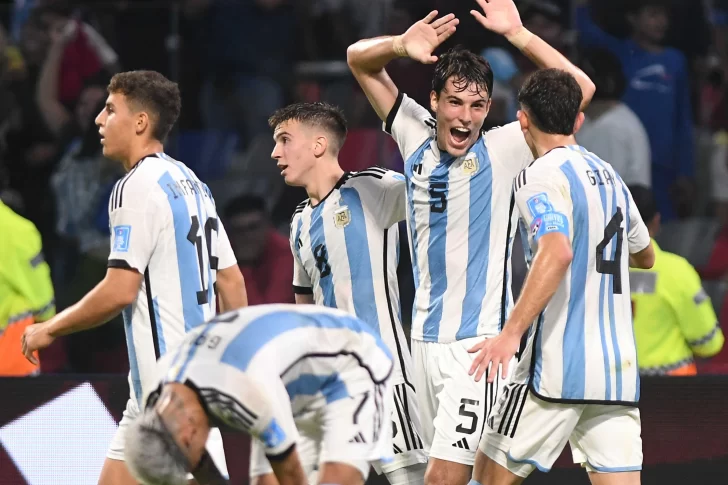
<point x="646" y="44"/>
<point x="599" y="107"/>
<point x="545" y="142"/>
<point x="141" y="151"/>
<point x="323" y="179"/>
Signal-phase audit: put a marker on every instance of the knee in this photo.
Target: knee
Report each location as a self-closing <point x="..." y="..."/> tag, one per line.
<point x="447" y="473"/>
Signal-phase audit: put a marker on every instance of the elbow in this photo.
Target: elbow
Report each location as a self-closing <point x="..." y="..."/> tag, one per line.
<point x="352" y="53"/>
<point x="126" y="297"/>
<point x="565" y="256"/>
<point x="587" y="91"/>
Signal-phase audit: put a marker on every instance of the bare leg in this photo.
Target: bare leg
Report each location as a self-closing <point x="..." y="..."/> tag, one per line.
<point x="488" y="472"/>
<point x="621" y="478"/>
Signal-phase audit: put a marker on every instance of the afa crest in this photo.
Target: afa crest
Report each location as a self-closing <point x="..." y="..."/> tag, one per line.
<point x="470" y="164"/>
<point x="342" y="217"/>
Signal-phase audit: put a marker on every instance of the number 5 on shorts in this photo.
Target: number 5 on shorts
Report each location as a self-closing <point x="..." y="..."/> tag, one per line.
<point x="470" y="415"/>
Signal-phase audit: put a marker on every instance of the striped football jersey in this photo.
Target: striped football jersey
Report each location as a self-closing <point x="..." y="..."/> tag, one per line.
<point x="461" y="227"/>
<point x="164" y="225"/>
<point x="582" y="348"/>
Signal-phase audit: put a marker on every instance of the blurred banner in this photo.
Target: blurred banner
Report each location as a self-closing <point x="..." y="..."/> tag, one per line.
<point x="54" y="430"/>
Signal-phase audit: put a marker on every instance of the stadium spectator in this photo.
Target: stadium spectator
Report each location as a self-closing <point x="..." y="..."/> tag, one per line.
<point x="611" y="130"/>
<point x="658" y="91"/>
<point x="26" y="291"/>
<point x="674" y="320"/>
<point x="263" y="254"/>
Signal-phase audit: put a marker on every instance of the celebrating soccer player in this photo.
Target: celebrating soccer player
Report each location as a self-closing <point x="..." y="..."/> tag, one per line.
<point x="345" y="243"/>
<point x="170" y="255"/>
<point x="275" y="372"/>
<point x="460" y="221"/>
<point x="578" y="378"/>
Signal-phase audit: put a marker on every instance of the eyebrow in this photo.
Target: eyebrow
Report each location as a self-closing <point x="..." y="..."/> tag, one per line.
<point x="109" y="104"/>
<point x="280" y="134"/>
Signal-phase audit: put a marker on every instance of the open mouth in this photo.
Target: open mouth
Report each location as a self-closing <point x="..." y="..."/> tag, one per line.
<point x="283" y="169"/>
<point x="460" y="135"/>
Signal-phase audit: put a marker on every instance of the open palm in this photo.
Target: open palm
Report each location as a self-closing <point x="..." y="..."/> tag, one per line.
<point x="425" y="36"/>
<point x="499" y="16"/>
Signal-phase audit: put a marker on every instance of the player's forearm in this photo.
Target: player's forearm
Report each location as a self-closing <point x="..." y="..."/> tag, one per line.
<point x="546" y="57"/>
<point x="369" y="56"/>
<point x="231" y="287"/>
<point x="544" y="278"/>
<point x="288" y="471"/>
<point x="96" y="308"/>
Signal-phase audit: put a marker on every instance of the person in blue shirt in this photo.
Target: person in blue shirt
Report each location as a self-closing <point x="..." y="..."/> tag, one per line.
<point x="657" y="91"/>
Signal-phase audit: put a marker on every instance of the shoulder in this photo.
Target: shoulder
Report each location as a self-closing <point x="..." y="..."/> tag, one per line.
<point x="298" y="211"/>
<point x="372" y="175"/>
<point x="140" y="184"/>
<point x="405" y="104"/>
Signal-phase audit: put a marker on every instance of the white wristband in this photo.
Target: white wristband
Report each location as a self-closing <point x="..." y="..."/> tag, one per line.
<point x="520" y="38"/>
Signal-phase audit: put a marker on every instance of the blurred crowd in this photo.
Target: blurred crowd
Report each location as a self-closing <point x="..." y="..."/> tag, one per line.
<point x="659" y="116"/>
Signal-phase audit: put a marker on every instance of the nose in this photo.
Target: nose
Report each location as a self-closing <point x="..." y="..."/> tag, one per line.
<point x="98" y="119"/>
<point x="276" y="154"/>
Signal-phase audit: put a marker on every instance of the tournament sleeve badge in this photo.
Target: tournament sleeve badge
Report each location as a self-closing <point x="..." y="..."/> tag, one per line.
<point x="121" y="239"/>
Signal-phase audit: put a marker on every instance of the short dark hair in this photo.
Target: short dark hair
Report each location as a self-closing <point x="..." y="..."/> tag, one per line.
<point x="466" y="67"/>
<point x="325" y="115"/>
<point x="552" y="99"/>
<point x="645" y="202"/>
<point x="244" y="204"/>
<point x="605" y="70"/>
<point x="151" y="92"/>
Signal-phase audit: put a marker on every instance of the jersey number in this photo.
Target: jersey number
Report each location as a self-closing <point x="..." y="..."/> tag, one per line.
<point x="195" y="238"/>
<point x="437" y="192"/>
<point x="612" y="266"/>
<point x="468" y="414"/>
<point x="322" y="262"/>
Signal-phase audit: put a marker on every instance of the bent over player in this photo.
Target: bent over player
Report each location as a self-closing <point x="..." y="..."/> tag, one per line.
<point x="170" y="255"/>
<point x="273" y="371"/>
<point x="461" y="225"/>
<point x="345" y="243"/>
<point x="578" y="378"/>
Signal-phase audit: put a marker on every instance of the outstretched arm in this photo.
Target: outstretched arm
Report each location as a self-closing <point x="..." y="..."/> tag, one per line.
<point x="367" y="58"/>
<point x="501" y="17"/>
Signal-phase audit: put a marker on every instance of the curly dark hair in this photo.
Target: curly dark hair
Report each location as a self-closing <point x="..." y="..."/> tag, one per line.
<point x="150" y="91"/>
<point x="466" y="67"/>
<point x="552" y="98"/>
<point x="325" y="115"/>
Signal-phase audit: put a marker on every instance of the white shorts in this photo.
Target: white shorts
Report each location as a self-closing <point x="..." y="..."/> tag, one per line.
<point x="116" y="448"/>
<point x="355" y="431"/>
<point x="526" y="433"/>
<point x="452" y="405"/>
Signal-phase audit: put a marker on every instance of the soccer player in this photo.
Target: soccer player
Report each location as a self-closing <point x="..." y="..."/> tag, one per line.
<point x="577" y="379"/>
<point x="274" y="372"/>
<point x="345" y="243"/>
<point x="460" y="221"/>
<point x="170" y="255"/>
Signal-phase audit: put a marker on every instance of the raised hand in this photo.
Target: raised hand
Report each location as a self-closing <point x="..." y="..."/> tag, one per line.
<point x="423" y="37"/>
<point x="499" y="16"/>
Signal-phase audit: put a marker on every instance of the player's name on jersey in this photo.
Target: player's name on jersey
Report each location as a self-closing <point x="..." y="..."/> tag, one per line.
<point x="183" y="187"/>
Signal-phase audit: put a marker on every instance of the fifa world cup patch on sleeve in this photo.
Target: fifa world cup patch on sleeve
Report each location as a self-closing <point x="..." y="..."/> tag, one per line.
<point x="273" y="435"/>
<point x="121" y="239"/>
<point x="539" y="204"/>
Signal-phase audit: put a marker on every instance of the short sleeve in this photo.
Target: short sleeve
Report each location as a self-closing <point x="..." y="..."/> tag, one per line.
<point x="639" y="236"/>
<point x="384" y="195"/>
<point x="544" y="204"/>
<point x="409" y="124"/>
<point x="135" y="224"/>
<point x="508" y="147"/>
<point x="257" y="406"/>
<point x="301" y="281"/>
<point x="225" y="254"/>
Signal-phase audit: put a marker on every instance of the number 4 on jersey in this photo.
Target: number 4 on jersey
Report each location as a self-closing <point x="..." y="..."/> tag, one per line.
<point x="195" y="238"/>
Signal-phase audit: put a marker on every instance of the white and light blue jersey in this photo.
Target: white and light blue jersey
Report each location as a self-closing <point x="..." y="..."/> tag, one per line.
<point x="262" y="368"/>
<point x="582" y="347"/>
<point x="461" y="226"/>
<point x="346" y="252"/>
<point x="164" y="225"/>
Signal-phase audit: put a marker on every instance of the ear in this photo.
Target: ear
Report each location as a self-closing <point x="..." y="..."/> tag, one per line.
<point x="523" y="120"/>
<point x="320" y="145"/>
<point x="579" y="121"/>
<point x="434" y="97"/>
<point x="141" y="123"/>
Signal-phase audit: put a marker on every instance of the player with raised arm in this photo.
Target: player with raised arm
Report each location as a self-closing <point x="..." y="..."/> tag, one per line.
<point x="577" y="379"/>
<point x="345" y="243"/>
<point x="461" y="224"/>
<point x="274" y="372"/>
<point x="170" y="255"/>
